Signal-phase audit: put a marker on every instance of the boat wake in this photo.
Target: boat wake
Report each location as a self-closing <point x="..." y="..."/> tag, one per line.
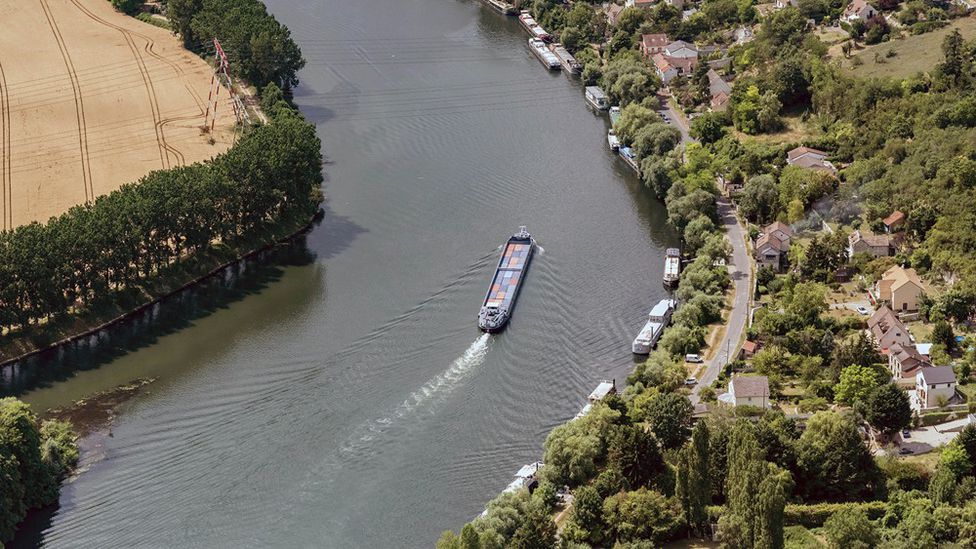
<point x="434" y="390"/>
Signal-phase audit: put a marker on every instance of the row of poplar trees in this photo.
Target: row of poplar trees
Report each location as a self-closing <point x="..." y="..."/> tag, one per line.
<point x="82" y="257"/>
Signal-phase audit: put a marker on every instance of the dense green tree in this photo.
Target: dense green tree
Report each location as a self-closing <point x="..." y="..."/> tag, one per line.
<point x="696" y="232"/>
<point x="537" y="531"/>
<point x="760" y="199"/>
<point x="587" y="513"/>
<point x="669" y="418"/>
<point x="850" y="529"/>
<point x="856" y="383"/>
<point x="573" y="450"/>
<point x="699" y="483"/>
<point x="642" y="515"/>
<point x="745" y="472"/>
<point x="942" y="334"/>
<point x="888" y="409"/>
<point x="128" y="7"/>
<point x="636" y="454"/>
<point x="859" y="350"/>
<point x="770" y="505"/>
<point x="833" y="462"/>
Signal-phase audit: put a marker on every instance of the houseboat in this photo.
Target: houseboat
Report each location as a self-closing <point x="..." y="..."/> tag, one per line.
<point x="526" y="477"/>
<point x="566" y="59"/>
<point x="661" y="312"/>
<point x="596" y="98"/>
<point x="512" y="266"/>
<point x="549" y="59"/>
<point x="672" y="266"/>
<point x="647" y="338"/>
<point x="612" y="140"/>
<point x="605" y="388"/>
<point x="614" y="114"/>
<point x="529" y="24"/>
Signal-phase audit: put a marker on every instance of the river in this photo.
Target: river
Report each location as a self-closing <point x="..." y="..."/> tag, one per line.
<point x="339" y="394"/>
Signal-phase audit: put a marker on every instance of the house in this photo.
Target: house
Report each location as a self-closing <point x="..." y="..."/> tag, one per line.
<point x="747" y="391"/>
<point x="653" y="43"/>
<point x="894" y="221"/>
<point x="665" y="70"/>
<point x="640" y="3"/>
<point x="887" y="330"/>
<point x="905" y="362"/>
<point x="859" y="10"/>
<point x="934" y="387"/>
<point x="811" y="159"/>
<point x="773" y="245"/>
<point x="682" y="56"/>
<point x="749" y="349"/>
<point x="901" y="288"/>
<point x="719" y="102"/>
<point x="877" y="245"/>
<point x="782" y="4"/>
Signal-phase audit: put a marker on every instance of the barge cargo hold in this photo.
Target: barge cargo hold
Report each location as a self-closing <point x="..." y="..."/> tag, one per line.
<point x="549" y="59"/>
<point x="529" y="24"/>
<point x="566" y="59"/>
<point x="512" y="266"/>
<point x="672" y="266"/>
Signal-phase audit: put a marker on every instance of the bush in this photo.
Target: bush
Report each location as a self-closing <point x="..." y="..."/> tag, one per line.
<point x="128" y="7"/>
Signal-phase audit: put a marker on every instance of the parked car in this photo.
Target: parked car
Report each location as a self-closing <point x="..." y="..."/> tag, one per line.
<point x="697" y="359"/>
<point x="905" y="433"/>
<point x="863" y="310"/>
<point x="691" y="381"/>
<point x="904" y="451"/>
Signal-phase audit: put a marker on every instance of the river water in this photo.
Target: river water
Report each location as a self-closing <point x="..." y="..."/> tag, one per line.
<point x="339" y="394"/>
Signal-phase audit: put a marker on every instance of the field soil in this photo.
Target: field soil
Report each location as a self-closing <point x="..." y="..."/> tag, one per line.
<point x="91" y="99"/>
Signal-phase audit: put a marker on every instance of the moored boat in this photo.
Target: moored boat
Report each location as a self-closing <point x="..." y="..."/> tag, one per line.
<point x="647" y="338"/>
<point x="614" y="114"/>
<point x="566" y="59"/>
<point x="529" y="24"/>
<point x="549" y="59"/>
<point x="505" y="285"/>
<point x="597" y="98"/>
<point x="672" y="266"/>
<point x="630" y="157"/>
<point x="612" y="140"/>
<point x="500" y="6"/>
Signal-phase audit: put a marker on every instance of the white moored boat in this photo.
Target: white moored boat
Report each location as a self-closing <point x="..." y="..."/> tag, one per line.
<point x="672" y="266"/>
<point x="612" y="140"/>
<point x="647" y="338"/>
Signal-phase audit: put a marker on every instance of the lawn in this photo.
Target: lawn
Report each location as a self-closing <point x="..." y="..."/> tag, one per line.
<point x="912" y="54"/>
<point x="798" y="537"/>
<point x="795" y="130"/>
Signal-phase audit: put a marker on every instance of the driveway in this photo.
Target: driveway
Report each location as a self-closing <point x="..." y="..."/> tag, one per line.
<point x="675" y="118"/>
<point x="740" y="269"/>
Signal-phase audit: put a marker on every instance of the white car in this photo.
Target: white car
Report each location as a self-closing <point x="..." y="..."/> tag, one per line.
<point x="691" y="381"/>
<point x="863" y="310"/>
<point x="697" y="359"/>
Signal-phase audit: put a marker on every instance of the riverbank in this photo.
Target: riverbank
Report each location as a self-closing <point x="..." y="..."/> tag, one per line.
<point x="132" y="301"/>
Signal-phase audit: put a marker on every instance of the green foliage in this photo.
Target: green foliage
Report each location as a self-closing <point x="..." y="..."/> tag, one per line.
<point x="681" y="340"/>
<point x="833" y="462"/>
<point x="942" y="335"/>
<point x="625" y="79"/>
<point x="856" y="383"/>
<point x="709" y="127"/>
<point x="128" y="7"/>
<point x="587" y="515"/>
<point x="642" y="515"/>
<point x="669" y="418"/>
<point x="258" y="46"/>
<point x="573" y="450"/>
<point x="888" y="409"/>
<point x="760" y="199"/>
<point x="33" y="460"/>
<point x="850" y="529"/>
<point x="636" y="454"/>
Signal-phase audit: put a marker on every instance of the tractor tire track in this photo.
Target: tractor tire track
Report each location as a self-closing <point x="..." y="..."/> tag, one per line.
<point x="6" y="216"/>
<point x="79" y="103"/>
<point x="164" y="148"/>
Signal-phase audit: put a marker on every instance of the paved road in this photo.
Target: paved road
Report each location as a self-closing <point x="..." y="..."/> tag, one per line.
<point x="740" y="268"/>
<point x="676" y="119"/>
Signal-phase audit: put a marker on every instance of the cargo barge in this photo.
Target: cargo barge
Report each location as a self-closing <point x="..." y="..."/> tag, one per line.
<point x="672" y="266"/>
<point x="505" y="286"/>
<point x="596" y="98"/>
<point x="566" y="59"/>
<point x="657" y="320"/>
<point x="549" y="59"/>
<point x="529" y="24"/>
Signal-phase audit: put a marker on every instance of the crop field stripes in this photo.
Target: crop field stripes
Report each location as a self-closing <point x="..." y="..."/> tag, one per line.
<point x="79" y="103"/>
<point x="164" y="148"/>
<point x="6" y="221"/>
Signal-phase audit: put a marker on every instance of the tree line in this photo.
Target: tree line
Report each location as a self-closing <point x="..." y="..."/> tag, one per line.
<point x="258" y="47"/>
<point x="34" y="458"/>
<point x="80" y="258"/>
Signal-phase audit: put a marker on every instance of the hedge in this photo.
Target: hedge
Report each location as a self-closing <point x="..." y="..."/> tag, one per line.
<point x="815" y="514"/>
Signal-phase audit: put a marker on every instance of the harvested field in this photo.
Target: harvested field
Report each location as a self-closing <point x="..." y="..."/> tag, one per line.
<point x="92" y="99"/>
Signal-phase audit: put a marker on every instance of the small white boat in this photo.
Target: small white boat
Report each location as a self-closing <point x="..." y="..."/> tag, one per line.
<point x="672" y="266"/>
<point x="614" y="114"/>
<point x="661" y="312"/>
<point x="526" y="477"/>
<point x="612" y="140"/>
<point x="605" y="388"/>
